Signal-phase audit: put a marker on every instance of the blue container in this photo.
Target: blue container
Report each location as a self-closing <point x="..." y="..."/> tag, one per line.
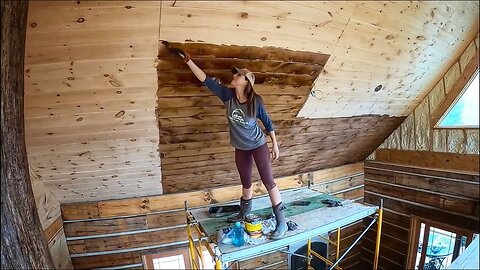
<point x="238" y="239"/>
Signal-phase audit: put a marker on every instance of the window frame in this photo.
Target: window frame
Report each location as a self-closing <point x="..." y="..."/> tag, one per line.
<point x="148" y="258"/>
<point x="458" y="88"/>
<point x="415" y="227"/>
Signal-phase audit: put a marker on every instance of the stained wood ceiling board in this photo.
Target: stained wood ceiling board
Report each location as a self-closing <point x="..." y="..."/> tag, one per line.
<point x="274" y="69"/>
<point x="190" y="145"/>
<point x="405" y="46"/>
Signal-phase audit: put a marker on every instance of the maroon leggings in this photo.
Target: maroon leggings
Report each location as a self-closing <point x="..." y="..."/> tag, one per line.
<point x="244" y="160"/>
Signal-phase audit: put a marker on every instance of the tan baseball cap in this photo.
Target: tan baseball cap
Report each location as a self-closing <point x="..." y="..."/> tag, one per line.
<point x="245" y="72"/>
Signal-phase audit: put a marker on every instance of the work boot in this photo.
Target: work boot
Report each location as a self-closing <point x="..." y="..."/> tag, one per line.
<point x="281" y="227"/>
<point x="245" y="208"/>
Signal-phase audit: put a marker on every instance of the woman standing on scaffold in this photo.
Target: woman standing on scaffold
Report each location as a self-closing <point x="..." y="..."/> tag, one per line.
<point x="243" y="107"/>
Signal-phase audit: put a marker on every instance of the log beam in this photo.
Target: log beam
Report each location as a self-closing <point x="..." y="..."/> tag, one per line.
<point x="23" y="242"/>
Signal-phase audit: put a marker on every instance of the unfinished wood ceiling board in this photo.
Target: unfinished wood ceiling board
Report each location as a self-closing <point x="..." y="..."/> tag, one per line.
<point x="404" y="46"/>
<point x="190" y="139"/>
<point x="90" y="84"/>
<point x="418" y="132"/>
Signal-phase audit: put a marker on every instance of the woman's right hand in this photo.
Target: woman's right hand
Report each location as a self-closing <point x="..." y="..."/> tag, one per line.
<point x="183" y="54"/>
<point x="275" y="152"/>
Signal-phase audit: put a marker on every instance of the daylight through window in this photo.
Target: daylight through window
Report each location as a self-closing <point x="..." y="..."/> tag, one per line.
<point x="465" y="111"/>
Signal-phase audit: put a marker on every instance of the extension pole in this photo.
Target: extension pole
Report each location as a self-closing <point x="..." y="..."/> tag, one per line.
<point x="338" y="243"/>
<point x="379" y="232"/>
<point x="190" y="238"/>
<point x="309" y="246"/>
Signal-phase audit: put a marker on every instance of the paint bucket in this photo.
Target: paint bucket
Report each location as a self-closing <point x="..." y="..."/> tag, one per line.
<point x="253" y="225"/>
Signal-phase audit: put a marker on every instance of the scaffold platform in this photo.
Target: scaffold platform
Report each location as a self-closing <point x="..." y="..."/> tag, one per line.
<point x="314" y="219"/>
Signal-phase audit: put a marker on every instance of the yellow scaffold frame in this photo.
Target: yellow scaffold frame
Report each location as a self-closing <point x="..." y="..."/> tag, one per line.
<point x="197" y="250"/>
<point x="334" y="265"/>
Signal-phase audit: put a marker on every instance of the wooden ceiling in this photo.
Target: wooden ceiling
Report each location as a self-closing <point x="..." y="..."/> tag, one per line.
<point x="90" y="84"/>
<point x="404" y="46"/>
<point x="91" y="81"/>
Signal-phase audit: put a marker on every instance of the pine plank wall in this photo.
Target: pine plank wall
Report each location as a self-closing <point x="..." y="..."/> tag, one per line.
<point x="117" y="233"/>
<point x="49" y="212"/>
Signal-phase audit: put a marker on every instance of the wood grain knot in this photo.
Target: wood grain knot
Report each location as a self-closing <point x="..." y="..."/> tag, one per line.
<point x="389" y="37"/>
<point x="120" y="114"/>
<point x="114" y="83"/>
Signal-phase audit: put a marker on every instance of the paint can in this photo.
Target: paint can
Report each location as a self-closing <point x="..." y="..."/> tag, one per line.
<point x="253" y="225"/>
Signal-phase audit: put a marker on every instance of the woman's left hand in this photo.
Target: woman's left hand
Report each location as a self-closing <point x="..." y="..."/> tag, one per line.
<point x="275" y="152"/>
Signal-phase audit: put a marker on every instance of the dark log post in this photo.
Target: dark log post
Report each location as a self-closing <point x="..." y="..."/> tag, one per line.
<point x="23" y="243"/>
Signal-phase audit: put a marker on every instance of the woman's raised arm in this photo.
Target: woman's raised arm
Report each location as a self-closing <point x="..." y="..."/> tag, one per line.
<point x="186" y="58"/>
<point x="218" y="89"/>
<point x="196" y="70"/>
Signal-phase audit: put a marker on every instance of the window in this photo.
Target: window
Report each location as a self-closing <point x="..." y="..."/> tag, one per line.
<point x="464" y="111"/>
<point x="170" y="262"/>
<point x="176" y="259"/>
<point x="208" y="261"/>
<point x="436" y="245"/>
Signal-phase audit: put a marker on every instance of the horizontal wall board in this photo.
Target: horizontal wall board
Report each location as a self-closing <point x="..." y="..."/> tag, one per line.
<point x="420" y="171"/>
<point x="445" y="161"/>
<point x="441" y="201"/>
<point x="421" y="210"/>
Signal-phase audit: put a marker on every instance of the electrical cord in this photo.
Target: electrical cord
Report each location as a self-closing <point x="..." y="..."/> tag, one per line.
<point x="313" y="93"/>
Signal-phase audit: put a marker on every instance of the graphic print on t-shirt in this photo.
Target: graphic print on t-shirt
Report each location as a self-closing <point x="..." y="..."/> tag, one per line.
<point x="238" y="117"/>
